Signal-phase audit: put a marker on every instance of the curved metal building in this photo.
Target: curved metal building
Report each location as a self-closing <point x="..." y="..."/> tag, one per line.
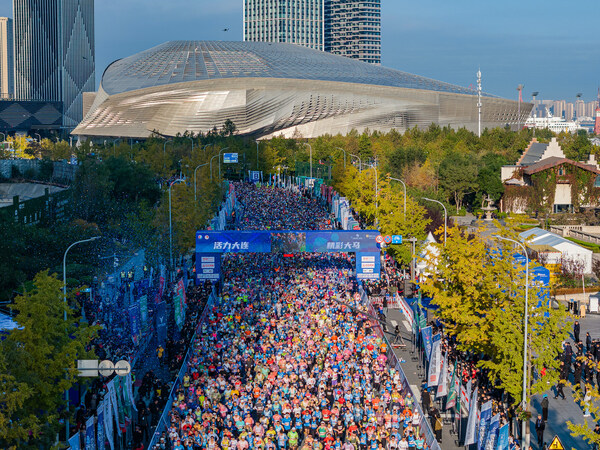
<point x="271" y="89"/>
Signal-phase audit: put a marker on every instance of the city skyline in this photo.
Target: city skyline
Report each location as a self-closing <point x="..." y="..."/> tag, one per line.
<point x="513" y="43"/>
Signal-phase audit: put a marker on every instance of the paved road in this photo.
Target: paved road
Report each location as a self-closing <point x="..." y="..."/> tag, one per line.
<point x="560" y="411"/>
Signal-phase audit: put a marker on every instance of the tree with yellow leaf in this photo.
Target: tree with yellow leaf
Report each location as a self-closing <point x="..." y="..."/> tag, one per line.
<point x="479" y="287"/>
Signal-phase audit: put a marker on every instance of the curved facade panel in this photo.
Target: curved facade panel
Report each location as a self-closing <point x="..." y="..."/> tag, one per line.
<point x="273" y="89"/>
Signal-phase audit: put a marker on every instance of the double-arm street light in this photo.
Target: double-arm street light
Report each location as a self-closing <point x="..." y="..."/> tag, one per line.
<point x="524" y="428"/>
<point x="359" y="162"/>
<point x="195" y="186"/>
<point x="178" y="180"/>
<point x="65" y="312"/>
<point x="211" y="159"/>
<point x="404" y="185"/>
<point x="445" y="216"/>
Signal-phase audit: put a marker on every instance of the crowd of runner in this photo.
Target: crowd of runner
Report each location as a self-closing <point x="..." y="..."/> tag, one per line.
<point x="287" y="359"/>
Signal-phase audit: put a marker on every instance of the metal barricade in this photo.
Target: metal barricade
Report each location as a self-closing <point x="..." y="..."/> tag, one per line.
<point x="162" y="424"/>
<point x="393" y="361"/>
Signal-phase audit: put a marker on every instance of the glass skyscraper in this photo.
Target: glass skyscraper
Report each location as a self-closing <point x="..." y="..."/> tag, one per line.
<point x="6" y="59"/>
<point x="353" y="29"/>
<point x="54" y="53"/>
<point x="350" y="28"/>
<point x="291" y="21"/>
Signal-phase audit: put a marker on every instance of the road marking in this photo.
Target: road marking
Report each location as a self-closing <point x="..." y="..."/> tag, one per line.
<point x="406" y="325"/>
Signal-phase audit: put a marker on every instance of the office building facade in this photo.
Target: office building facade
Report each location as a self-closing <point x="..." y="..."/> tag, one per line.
<point x="55" y="53"/>
<point x="289" y="21"/>
<point x="353" y="29"/>
<point x="7" y="84"/>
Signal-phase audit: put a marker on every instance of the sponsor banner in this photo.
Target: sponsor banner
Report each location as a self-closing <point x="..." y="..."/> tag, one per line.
<point x="208" y="267"/>
<point x="74" y="442"/>
<point x="492" y="436"/>
<point x="503" y="438"/>
<point x="427" y="339"/>
<point x="368" y="266"/>
<point x="134" y="320"/>
<point x="233" y="242"/>
<point x="484" y="424"/>
<point x="161" y="323"/>
<point x="100" y="431"/>
<point x="112" y="395"/>
<point x="470" y="434"/>
<point x="442" y="389"/>
<point x="144" y="312"/>
<point x="433" y="377"/>
<point x="108" y="422"/>
<point x="286" y="241"/>
<point x="90" y="434"/>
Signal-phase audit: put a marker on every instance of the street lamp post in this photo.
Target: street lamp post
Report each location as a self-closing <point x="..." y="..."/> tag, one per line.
<point x="219" y="155"/>
<point x="165" y="152"/>
<point x="445" y="216"/>
<point x="404" y="185"/>
<point x="195" y="187"/>
<point x="524" y="428"/>
<point x="359" y="162"/>
<point x="65" y="313"/>
<point x="178" y="180"/>
<point x="310" y="147"/>
<point x="204" y="148"/>
<point x="256" y="155"/>
<point x="115" y="146"/>
<point x="191" y="139"/>
<point x="340" y="148"/>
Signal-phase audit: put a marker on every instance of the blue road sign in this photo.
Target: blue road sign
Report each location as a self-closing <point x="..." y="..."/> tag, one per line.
<point x="396" y="239"/>
<point x="230" y="158"/>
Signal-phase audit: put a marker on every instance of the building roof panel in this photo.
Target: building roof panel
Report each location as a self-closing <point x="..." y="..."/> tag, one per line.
<point x="183" y="61"/>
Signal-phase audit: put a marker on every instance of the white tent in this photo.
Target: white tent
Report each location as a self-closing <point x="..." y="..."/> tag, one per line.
<point x="557" y="249"/>
<point x="427" y="258"/>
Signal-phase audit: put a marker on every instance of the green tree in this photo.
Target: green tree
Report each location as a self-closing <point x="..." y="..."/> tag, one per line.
<point x="42" y="354"/>
<point x="458" y="176"/>
<point x="480" y="290"/>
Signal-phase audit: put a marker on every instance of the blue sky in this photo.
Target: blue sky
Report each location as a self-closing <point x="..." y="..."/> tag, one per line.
<point x="548" y="46"/>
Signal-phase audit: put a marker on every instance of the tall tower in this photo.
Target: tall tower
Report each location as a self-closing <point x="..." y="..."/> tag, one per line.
<point x="353" y="29"/>
<point x="597" y="122"/>
<point x="292" y="21"/>
<point x="7" y="84"/>
<point x="55" y="53"/>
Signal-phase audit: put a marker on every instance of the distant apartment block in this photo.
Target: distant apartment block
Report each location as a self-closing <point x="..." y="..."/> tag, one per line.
<point x="353" y="29"/>
<point x="289" y="21"/>
<point x="7" y="84"/>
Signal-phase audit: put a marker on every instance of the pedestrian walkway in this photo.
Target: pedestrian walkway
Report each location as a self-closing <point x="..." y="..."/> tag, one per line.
<point x="559" y="413"/>
<point x="414" y="373"/>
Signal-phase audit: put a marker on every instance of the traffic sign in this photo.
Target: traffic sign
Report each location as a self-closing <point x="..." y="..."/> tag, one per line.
<point x="556" y="444"/>
<point x="396" y="239"/>
<point x="379" y="239"/>
<point x="387" y="239"/>
<point x="230" y="158"/>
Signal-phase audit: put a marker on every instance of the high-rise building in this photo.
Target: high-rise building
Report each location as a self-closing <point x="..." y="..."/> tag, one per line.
<point x="291" y="21"/>
<point x="7" y="84"/>
<point x="55" y="53"/>
<point x="353" y="29"/>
